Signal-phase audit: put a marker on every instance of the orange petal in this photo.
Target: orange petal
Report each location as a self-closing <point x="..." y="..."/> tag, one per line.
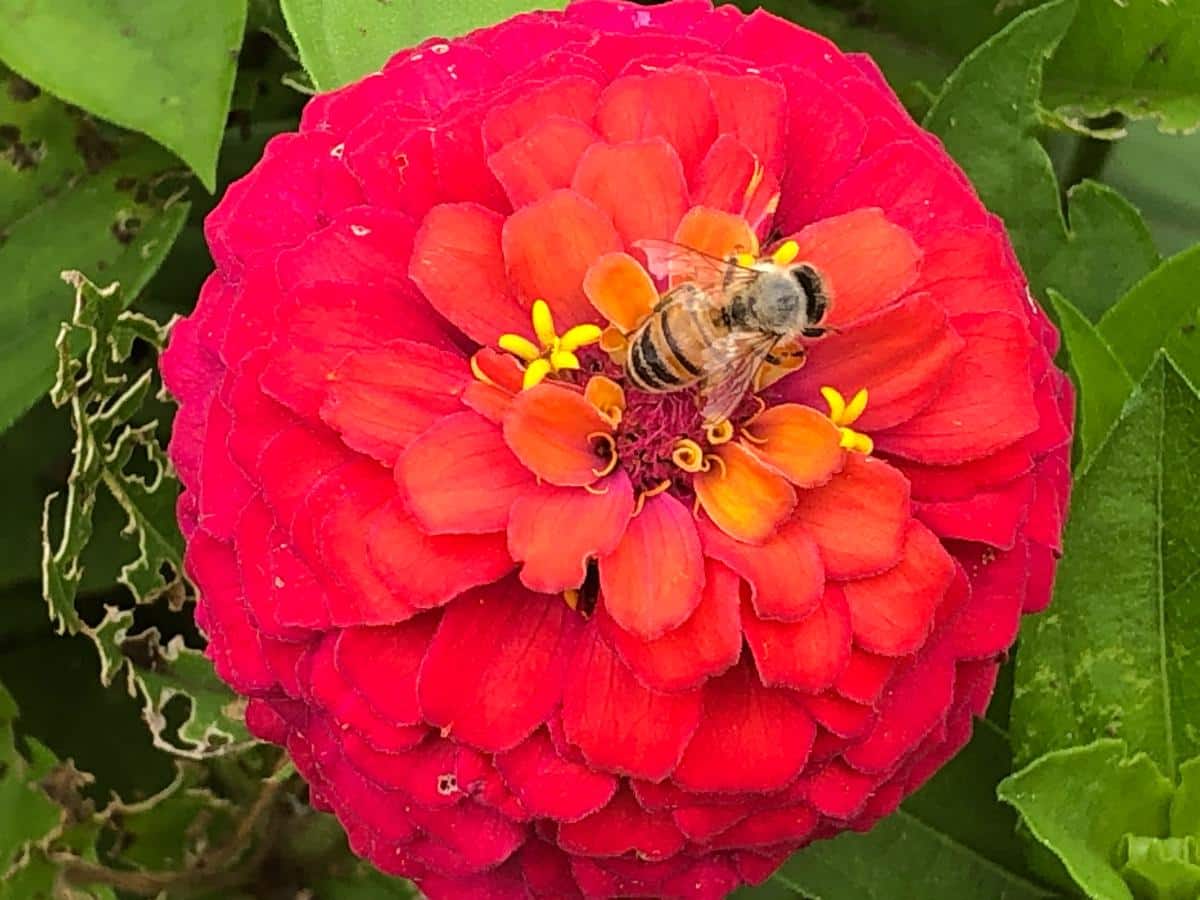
<point x="607" y="396"/>
<point x="716" y="233"/>
<point x="620" y="289"/>
<point x="552" y="430"/>
<point x="639" y="183"/>
<point x="548" y="246"/>
<point x="866" y="262"/>
<point x="800" y="442"/>
<point x="746" y="499"/>
<point x="541" y="161"/>
<point x="654" y="580"/>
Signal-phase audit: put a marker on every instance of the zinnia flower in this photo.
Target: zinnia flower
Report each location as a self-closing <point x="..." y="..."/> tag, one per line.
<point x="528" y="630"/>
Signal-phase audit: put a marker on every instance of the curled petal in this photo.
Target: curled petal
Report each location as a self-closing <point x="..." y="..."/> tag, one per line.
<point x="746" y="499"/>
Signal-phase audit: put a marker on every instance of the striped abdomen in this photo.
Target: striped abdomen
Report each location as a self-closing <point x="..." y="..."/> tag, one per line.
<point x="666" y="352"/>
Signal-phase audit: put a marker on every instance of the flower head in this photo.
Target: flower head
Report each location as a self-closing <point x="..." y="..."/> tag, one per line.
<point x="528" y="628"/>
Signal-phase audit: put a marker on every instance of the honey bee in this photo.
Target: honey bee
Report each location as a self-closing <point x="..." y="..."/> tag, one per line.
<point x="720" y="324"/>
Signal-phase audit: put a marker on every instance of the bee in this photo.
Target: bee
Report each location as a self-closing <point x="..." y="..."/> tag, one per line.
<point x="720" y="324"/>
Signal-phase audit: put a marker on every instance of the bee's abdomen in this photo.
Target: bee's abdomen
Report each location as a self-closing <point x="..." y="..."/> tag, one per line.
<point x="664" y="352"/>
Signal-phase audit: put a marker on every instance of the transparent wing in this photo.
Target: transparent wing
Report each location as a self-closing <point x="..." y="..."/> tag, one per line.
<point x="678" y="263"/>
<point x="730" y="365"/>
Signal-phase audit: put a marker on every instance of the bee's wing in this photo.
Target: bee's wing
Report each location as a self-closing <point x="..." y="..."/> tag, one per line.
<point x="730" y="365"/>
<point x="679" y="263"/>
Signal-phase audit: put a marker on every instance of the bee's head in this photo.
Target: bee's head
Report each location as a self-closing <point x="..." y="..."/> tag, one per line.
<point x="816" y="301"/>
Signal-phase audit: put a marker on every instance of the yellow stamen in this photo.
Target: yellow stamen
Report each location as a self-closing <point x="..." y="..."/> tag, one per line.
<point x="785" y="253"/>
<point x="719" y="432"/>
<point x="756" y="180"/>
<point x="555" y="354"/>
<point x="520" y="347"/>
<point x="752" y="437"/>
<point x="843" y="415"/>
<point x="536" y="373"/>
<point x="580" y="336"/>
<point x="543" y="323"/>
<point x="745" y="260"/>
<point x="563" y="359"/>
<point x="571" y="597"/>
<point x="592" y="489"/>
<point x="713" y="458"/>
<point x="688" y="455"/>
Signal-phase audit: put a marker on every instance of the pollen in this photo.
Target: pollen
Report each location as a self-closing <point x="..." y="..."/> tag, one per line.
<point x="844" y="414"/>
<point x="552" y="353"/>
<point x="785" y="253"/>
<point x="689" y="456"/>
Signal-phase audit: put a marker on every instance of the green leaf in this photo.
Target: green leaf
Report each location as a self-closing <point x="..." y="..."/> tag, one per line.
<point x="988" y="116"/>
<point x="1185" y="809"/>
<point x="1142" y="59"/>
<point x="1161" y="868"/>
<point x="1158" y="173"/>
<point x="342" y="40"/>
<point x="105" y="393"/>
<point x="1113" y="656"/>
<point x="366" y="883"/>
<point x="1080" y="802"/>
<point x="27" y="815"/>
<point x="952" y="839"/>
<point x="164" y="69"/>
<point x="1159" y="306"/>
<point x="76" y="195"/>
<point x="1102" y="381"/>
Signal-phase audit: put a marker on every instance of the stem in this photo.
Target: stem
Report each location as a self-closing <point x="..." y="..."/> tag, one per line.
<point x="211" y="872"/>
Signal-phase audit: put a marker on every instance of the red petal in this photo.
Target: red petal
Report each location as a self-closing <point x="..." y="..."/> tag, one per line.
<point x="707" y="644"/>
<point x="379" y="400"/>
<point x="791" y="824"/>
<point x="987" y="402"/>
<point x="551" y="786"/>
<point x="837" y="247"/>
<point x="900" y="356"/>
<point x="460" y="477"/>
<point x="640" y="184"/>
<point x="622" y="827"/>
<point x="865" y="676"/>
<point x="785" y="573"/>
<point x="555" y="531"/>
<point x="807" y="655"/>
<point x="892" y="613"/>
<point x="674" y="104"/>
<point x="840" y="792"/>
<point x="573" y="97"/>
<point x="555" y="432"/>
<point x="620" y="725"/>
<point x="430" y="570"/>
<point x="458" y="264"/>
<point x="987" y="626"/>
<point x="858" y="519"/>
<point x="517" y="644"/>
<point x="548" y="246"/>
<point x="541" y="161"/>
<point x="994" y="517"/>
<point x="754" y="110"/>
<point x="653" y="580"/>
<point x="751" y="738"/>
<point x="731" y="178"/>
<point x="382" y="663"/>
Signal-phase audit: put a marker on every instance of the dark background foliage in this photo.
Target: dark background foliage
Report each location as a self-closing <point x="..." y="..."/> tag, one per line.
<point x="124" y="769"/>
